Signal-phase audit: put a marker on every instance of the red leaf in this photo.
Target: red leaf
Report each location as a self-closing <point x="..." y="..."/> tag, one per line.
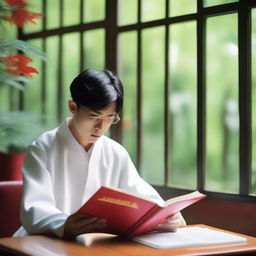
<point x="22" y="15"/>
<point x="16" y="2"/>
<point x="17" y="65"/>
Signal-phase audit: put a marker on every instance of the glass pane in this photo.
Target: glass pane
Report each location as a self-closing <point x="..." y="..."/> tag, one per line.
<point x="127" y="12"/>
<point x="153" y="105"/>
<point x="8" y="30"/>
<point x="127" y="70"/>
<point x="94" y="10"/>
<point x="208" y="3"/>
<point x="52" y="14"/>
<point x="71" y="12"/>
<point x="4" y="98"/>
<point x="36" y="7"/>
<point x="153" y="10"/>
<point x="52" y="66"/>
<point x="222" y="123"/>
<point x="14" y="99"/>
<point x="94" y="49"/>
<point x="70" y="66"/>
<point x="183" y="104"/>
<point x="181" y="7"/>
<point x="33" y="89"/>
<point x="253" y="101"/>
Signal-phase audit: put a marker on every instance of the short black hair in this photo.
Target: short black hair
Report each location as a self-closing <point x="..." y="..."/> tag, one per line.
<point x="96" y="89"/>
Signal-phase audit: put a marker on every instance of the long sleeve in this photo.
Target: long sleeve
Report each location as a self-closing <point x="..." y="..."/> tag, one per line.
<point x="39" y="214"/>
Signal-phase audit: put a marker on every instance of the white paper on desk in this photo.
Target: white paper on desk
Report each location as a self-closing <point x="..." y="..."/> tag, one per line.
<point x="190" y="236"/>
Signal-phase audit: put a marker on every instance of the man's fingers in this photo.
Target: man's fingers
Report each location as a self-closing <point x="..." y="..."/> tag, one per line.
<point x="91" y="227"/>
<point x="97" y="222"/>
<point x="77" y="224"/>
<point x="88" y="224"/>
<point x="85" y="220"/>
<point x="173" y="217"/>
<point x="165" y="227"/>
<point x="80" y="216"/>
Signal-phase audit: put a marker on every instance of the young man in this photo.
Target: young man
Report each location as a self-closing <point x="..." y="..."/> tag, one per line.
<point x="64" y="167"/>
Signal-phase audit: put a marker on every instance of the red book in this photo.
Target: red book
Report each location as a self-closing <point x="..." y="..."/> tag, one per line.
<point x="129" y="215"/>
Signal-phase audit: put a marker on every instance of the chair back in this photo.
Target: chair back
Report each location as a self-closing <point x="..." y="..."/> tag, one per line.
<point x="10" y="197"/>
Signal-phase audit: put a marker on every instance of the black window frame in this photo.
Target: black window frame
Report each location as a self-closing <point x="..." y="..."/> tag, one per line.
<point x="112" y="31"/>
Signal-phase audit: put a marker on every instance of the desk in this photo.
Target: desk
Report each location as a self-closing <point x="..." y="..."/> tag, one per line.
<point x="42" y="246"/>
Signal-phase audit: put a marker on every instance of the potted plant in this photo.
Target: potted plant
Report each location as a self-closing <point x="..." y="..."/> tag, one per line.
<point x="17" y="129"/>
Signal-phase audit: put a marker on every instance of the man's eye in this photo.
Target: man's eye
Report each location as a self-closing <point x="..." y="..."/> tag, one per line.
<point x="93" y="117"/>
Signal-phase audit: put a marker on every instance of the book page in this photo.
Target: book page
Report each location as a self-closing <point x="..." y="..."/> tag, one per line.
<point x="188" y="236"/>
<point x="92" y="238"/>
<point x="184" y="197"/>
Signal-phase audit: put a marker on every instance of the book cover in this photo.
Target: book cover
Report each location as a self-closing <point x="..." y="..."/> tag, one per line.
<point x="129" y="215"/>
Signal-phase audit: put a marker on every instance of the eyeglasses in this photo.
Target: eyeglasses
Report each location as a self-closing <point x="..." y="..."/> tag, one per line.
<point x="98" y="119"/>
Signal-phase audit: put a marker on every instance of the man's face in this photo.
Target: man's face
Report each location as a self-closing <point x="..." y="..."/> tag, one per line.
<point x="87" y="125"/>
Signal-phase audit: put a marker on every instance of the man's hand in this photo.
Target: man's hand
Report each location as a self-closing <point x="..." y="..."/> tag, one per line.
<point x="77" y="224"/>
<point x="173" y="223"/>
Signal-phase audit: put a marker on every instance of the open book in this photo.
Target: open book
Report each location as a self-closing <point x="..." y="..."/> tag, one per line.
<point x="129" y="215"/>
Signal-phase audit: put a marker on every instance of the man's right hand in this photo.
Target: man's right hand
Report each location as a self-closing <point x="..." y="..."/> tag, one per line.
<point x="78" y="223"/>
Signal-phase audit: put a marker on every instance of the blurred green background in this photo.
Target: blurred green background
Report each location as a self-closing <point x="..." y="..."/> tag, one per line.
<point x="222" y="116"/>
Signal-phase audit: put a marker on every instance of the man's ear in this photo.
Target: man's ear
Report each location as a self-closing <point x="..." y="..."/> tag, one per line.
<point x="72" y="106"/>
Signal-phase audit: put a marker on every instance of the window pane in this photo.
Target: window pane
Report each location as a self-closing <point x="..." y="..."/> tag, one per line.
<point x="153" y="105"/>
<point x="183" y="104"/>
<point x="153" y="10"/>
<point x="181" y="7"/>
<point x="253" y="101"/>
<point x="222" y="123"/>
<point x="14" y="96"/>
<point x="94" y="10"/>
<point x="94" y="49"/>
<point x="127" y="12"/>
<point x="52" y="14"/>
<point x="5" y="97"/>
<point x="52" y="67"/>
<point x="71" y="12"/>
<point x="127" y="67"/>
<point x="8" y="30"/>
<point x="208" y="3"/>
<point x="36" y="7"/>
<point x="70" y="68"/>
<point x="33" y="89"/>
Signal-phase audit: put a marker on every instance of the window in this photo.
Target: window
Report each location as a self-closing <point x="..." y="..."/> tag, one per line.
<point x="191" y="124"/>
<point x="188" y="68"/>
<point x="72" y="34"/>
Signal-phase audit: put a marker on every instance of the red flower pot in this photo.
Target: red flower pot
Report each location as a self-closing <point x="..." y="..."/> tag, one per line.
<point x="10" y="166"/>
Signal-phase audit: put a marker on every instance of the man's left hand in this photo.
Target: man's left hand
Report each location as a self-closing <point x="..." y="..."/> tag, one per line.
<point x="171" y="225"/>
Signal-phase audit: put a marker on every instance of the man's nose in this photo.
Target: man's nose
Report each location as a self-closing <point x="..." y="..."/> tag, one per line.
<point x="99" y="124"/>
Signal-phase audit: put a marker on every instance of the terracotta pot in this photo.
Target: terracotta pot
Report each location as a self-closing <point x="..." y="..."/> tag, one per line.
<point x="10" y="166"/>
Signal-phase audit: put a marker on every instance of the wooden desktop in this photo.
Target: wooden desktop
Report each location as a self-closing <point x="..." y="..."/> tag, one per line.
<point x="42" y="245"/>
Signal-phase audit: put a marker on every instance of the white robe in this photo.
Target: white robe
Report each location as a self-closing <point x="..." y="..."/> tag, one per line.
<point x="59" y="176"/>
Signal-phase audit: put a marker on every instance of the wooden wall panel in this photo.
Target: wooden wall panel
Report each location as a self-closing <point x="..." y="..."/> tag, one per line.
<point x="233" y="216"/>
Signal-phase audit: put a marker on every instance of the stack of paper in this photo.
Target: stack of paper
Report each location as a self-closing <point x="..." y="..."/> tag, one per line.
<point x="190" y="236"/>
